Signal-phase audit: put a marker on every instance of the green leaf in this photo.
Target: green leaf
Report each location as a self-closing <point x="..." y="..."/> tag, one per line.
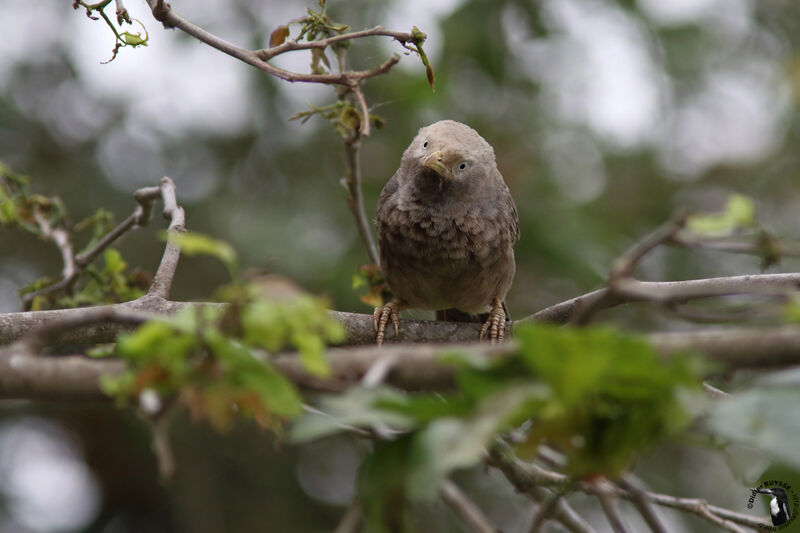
<point x="193" y="243"/>
<point x="447" y="444"/>
<point x="133" y="39"/>
<point x="114" y="263"/>
<point x="612" y="394"/>
<point x="247" y="372"/>
<point x="8" y="211"/>
<point x="360" y="407"/>
<point x="739" y="213"/>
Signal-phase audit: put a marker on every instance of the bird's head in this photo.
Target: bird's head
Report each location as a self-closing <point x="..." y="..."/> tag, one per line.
<point x="773" y="491"/>
<point x="449" y="153"/>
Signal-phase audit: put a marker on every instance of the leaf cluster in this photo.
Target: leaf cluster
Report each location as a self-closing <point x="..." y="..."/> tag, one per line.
<point x="113" y="283"/>
<point x="216" y="360"/>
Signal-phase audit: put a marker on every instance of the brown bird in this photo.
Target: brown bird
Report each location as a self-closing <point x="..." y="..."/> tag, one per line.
<point x="446" y="227"/>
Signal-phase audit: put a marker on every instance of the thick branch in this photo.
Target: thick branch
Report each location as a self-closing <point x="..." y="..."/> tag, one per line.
<point x="419" y="366"/>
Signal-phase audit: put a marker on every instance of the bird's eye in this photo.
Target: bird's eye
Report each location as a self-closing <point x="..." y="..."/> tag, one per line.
<point x="463" y="165"/>
<point x="425" y="144"/>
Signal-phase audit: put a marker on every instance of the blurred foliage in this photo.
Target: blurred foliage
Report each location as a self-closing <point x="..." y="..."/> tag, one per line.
<point x="599" y="396"/>
<point x="739" y="214"/>
<point x="215" y="361"/>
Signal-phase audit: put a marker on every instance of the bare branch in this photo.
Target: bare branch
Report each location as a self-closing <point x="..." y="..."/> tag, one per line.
<point x="162" y="281"/>
<point x="608" y="503"/>
<point x="669" y="291"/>
<point x="61" y="239"/>
<point x="291" y="44"/>
<point x="626" y="263"/>
<point x="355" y="199"/>
<point x="73" y="266"/>
<point x="737" y="245"/>
<point x="351" y="521"/>
<point x="642" y="504"/>
<point x="528" y="477"/>
<point x="259" y="59"/>
<point x="469" y="512"/>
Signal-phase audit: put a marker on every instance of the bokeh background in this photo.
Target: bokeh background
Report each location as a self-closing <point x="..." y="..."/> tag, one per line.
<point x="605" y="116"/>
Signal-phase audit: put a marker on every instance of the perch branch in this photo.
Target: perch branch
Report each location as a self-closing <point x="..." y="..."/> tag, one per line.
<point x="415" y="367"/>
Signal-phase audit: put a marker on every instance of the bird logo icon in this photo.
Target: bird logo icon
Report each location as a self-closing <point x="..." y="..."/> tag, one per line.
<point x="779" y="509"/>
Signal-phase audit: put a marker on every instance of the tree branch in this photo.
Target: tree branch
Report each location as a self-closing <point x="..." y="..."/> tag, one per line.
<point x="668" y="291"/>
<point x="415" y="366"/>
<point x="75" y="265"/>
<point x="355" y="199"/>
<point x="528" y="476"/>
<point x="469" y="512"/>
<point x="260" y="58"/>
<point x="608" y="503"/>
<point x="162" y="281"/>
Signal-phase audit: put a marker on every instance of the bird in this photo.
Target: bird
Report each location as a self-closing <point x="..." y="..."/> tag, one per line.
<point x="447" y="226"/>
<point x="779" y="509"/>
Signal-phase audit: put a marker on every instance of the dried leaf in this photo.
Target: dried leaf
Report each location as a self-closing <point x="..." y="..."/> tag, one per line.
<point x="278" y="36"/>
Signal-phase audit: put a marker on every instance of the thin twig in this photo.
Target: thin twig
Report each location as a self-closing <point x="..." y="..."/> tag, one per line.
<point x="364" y="127"/>
<point x="754" y="247"/>
<point x="714" y="392"/>
<point x="291" y="44"/>
<point x="162" y="281"/>
<point x="640" y="501"/>
<point x="162" y="448"/>
<point x="60" y="237"/>
<point x="527" y="476"/>
<point x="469" y="512"/>
<point x="608" y="503"/>
<point x="351" y="520"/>
<point x="258" y="59"/>
<point x="75" y="265"/>
<point x="669" y="291"/>
<point x="626" y="263"/>
<point x="355" y="200"/>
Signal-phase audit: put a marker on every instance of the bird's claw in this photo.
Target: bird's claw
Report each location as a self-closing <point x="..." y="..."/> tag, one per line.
<point x="381" y="317"/>
<point x="495" y="325"/>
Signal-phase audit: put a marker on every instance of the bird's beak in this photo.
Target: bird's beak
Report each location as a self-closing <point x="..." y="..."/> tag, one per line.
<point x="435" y="163"/>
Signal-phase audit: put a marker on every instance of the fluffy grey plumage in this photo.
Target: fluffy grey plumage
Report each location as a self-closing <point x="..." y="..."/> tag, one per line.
<point x="447" y="226"/>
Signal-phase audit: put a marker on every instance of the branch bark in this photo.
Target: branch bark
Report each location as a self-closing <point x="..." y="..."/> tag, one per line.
<point x="415" y="366"/>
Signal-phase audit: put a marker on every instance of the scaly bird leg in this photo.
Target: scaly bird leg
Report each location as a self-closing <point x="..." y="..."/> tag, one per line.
<point x="382" y="315"/>
<point x="495" y="324"/>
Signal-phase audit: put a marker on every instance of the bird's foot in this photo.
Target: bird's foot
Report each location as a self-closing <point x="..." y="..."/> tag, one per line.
<point x="381" y="317"/>
<point x="495" y="325"/>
